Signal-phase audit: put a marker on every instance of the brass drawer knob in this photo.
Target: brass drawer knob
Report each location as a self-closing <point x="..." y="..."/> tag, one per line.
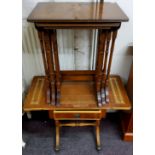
<point x="77" y="115"/>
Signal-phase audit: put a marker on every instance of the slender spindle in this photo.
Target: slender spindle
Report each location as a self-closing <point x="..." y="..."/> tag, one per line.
<point x="114" y="35"/>
<point x="40" y="34"/>
<point x="101" y="46"/>
<point x="50" y="65"/>
<point x="57" y="67"/>
<point x="103" y="91"/>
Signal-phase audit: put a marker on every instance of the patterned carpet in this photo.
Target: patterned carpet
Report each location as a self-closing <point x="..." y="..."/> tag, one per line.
<point x="39" y="135"/>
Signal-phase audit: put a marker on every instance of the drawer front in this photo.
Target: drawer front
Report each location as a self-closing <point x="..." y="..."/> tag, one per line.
<point x="77" y="115"/>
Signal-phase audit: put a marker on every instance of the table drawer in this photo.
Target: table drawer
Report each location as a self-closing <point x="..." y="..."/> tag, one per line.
<point x="77" y="115"/>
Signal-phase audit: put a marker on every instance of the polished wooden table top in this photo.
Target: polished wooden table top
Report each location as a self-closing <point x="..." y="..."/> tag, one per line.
<point x="76" y="95"/>
<point x="77" y="12"/>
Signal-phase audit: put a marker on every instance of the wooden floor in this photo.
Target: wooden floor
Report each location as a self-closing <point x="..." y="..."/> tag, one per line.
<point x="76" y="95"/>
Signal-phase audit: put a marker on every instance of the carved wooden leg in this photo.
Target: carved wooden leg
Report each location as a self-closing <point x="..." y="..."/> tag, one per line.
<point x="51" y="75"/>
<point x="100" y="55"/>
<point x="98" y="145"/>
<point x="57" y="67"/>
<point x="57" y="147"/>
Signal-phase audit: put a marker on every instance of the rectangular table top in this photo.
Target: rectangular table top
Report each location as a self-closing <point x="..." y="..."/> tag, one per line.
<point x="83" y="97"/>
<point x="77" y="12"/>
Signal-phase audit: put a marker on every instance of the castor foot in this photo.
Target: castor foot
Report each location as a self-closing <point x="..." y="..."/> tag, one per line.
<point x="98" y="148"/>
<point x="57" y="148"/>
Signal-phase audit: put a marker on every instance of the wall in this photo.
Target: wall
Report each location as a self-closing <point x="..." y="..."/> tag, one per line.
<point x="76" y="48"/>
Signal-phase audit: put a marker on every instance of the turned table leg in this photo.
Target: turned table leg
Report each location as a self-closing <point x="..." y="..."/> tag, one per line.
<point x="111" y="37"/>
<point x="100" y="56"/>
<point x="57" y="66"/>
<point x="49" y="56"/>
<point x="103" y="87"/>
<point x="44" y="56"/>
<point x="98" y="145"/>
<point x="57" y="147"/>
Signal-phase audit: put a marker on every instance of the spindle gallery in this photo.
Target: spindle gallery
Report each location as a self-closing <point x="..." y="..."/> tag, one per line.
<point x="82" y="94"/>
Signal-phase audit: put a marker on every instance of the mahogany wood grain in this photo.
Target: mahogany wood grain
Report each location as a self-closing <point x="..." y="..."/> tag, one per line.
<point x="80" y="75"/>
<point x="78" y="78"/>
<point x="79" y="25"/>
<point x="81" y="98"/>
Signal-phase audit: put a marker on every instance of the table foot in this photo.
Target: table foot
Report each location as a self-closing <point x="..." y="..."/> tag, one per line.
<point x="98" y="148"/>
<point x="57" y="148"/>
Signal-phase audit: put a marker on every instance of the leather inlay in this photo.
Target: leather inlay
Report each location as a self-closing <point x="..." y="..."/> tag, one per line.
<point x="37" y="91"/>
<point x="116" y="91"/>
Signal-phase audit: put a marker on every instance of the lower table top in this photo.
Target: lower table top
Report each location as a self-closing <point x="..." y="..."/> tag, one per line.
<point x="76" y="96"/>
